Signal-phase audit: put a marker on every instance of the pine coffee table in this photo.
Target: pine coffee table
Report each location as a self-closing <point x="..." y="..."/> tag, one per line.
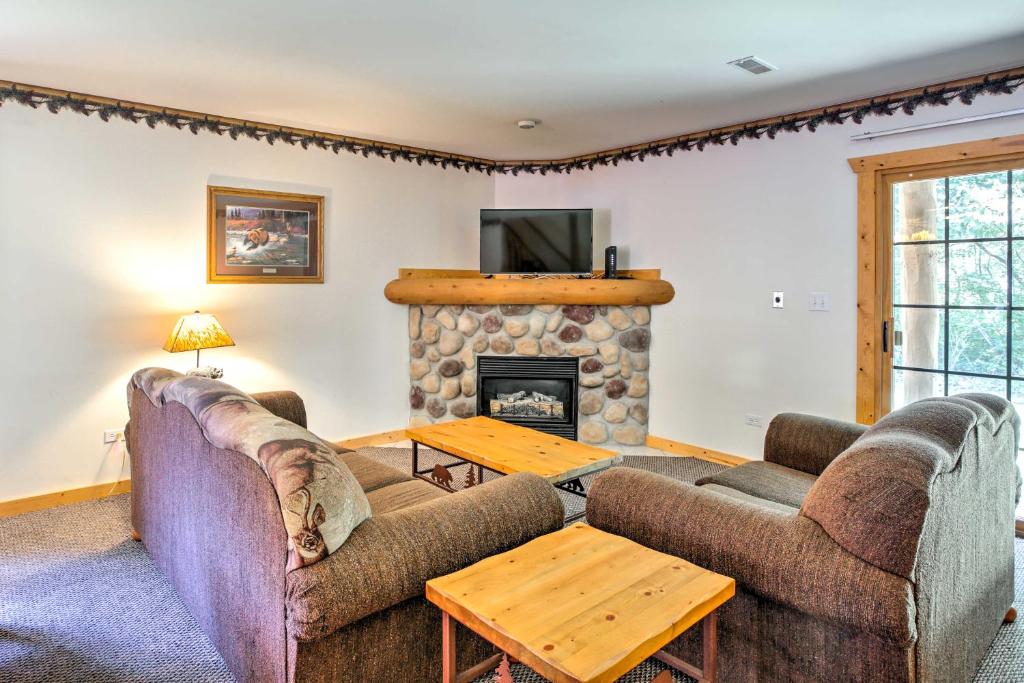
<point x="506" y="449"/>
<point x="580" y="605"/>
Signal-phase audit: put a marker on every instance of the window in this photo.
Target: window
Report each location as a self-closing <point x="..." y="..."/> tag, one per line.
<point x="957" y="324"/>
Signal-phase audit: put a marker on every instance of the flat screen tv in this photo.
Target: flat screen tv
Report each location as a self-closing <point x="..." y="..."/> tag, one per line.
<point x="536" y="241"/>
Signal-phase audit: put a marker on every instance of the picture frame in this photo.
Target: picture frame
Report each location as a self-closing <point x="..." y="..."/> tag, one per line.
<point x="260" y="236"/>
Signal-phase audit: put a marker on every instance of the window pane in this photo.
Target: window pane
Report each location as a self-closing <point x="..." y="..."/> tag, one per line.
<point x="1017" y="362"/>
<point x="977" y="341"/>
<point x="959" y="384"/>
<point x="919" y="274"/>
<point x="909" y="386"/>
<point x="1018" y="205"/>
<point x="977" y="205"/>
<point x="1017" y="396"/>
<point x="1018" y="270"/>
<point x="977" y="274"/>
<point x="918" y="339"/>
<point x="917" y="210"/>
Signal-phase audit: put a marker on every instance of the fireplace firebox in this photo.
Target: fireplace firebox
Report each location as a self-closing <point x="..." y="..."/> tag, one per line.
<point x="539" y="393"/>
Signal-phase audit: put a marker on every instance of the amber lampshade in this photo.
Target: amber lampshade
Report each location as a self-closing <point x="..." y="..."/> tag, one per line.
<point x="197" y="331"/>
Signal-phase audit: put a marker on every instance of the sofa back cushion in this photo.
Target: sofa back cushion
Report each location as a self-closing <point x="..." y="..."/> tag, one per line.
<point x="285" y="404"/>
<point x="874" y="497"/>
<point x="321" y="501"/>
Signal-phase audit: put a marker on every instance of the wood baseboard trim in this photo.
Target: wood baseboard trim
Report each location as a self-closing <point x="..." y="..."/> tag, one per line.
<point x="393" y="436"/>
<point x="58" y="498"/>
<point x="687" y="449"/>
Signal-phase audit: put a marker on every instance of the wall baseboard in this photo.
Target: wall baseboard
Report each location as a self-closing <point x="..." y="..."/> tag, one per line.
<point x="57" y="498"/>
<point x="393" y="436"/>
<point x="687" y="449"/>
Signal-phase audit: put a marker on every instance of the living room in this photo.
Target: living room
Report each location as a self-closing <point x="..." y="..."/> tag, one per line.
<point x="466" y="286"/>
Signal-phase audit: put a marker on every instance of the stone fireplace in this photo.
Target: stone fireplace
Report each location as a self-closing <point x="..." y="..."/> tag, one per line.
<point x="465" y="361"/>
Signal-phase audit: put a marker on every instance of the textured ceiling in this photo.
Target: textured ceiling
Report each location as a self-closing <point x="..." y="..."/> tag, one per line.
<point x="455" y="75"/>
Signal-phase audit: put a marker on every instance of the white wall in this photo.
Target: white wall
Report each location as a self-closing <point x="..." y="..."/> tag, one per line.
<point x="728" y="226"/>
<point x="103" y="246"/>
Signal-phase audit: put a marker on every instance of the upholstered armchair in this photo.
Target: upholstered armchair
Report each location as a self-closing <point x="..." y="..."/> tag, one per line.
<point x="880" y="553"/>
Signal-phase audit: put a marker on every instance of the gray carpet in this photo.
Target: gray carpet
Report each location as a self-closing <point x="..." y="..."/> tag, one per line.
<point x="79" y="601"/>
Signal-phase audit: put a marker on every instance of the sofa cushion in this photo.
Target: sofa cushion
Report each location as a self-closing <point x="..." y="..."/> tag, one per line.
<point x="371" y="474"/>
<point x="806" y="442"/>
<point x="403" y="495"/>
<point x="390" y="556"/>
<point x="747" y="498"/>
<point x="765" y="480"/>
<point x="284" y="404"/>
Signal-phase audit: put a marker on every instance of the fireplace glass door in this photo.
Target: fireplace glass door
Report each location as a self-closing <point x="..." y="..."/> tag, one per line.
<point x="539" y="393"/>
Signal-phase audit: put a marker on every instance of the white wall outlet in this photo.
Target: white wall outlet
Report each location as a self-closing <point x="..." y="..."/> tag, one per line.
<point x="753" y="421"/>
<point x="777" y="299"/>
<point x="112" y="435"/>
<point x="819" y="301"/>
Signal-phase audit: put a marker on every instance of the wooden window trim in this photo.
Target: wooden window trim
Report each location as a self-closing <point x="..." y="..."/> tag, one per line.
<point x="874" y="175"/>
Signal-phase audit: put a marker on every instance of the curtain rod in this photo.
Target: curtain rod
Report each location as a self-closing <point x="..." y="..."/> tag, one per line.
<point x="937" y="124"/>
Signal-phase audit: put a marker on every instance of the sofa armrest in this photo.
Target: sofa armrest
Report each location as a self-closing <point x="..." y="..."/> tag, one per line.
<point x="806" y="442"/>
<point x="284" y="404"/>
<point x="780" y="556"/>
<point x="388" y="559"/>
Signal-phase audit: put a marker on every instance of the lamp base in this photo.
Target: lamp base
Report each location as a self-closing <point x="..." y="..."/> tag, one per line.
<point x="209" y="371"/>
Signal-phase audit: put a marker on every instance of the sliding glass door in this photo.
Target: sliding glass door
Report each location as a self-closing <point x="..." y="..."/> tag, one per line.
<point x="956" y="284"/>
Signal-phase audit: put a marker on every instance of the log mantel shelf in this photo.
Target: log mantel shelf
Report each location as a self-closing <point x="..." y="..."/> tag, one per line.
<point x="423" y="286"/>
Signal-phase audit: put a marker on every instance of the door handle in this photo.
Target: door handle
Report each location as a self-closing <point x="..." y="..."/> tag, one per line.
<point x="885" y="336"/>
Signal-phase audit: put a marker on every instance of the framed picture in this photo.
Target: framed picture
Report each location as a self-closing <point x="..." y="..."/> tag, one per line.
<point x="262" y="236"/>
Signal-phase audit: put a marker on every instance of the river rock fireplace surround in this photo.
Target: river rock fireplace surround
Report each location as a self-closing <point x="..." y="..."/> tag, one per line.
<point x="467" y="333"/>
<point x="608" y="346"/>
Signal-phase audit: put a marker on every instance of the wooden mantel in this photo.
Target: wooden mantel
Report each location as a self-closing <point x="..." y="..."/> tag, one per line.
<point x="424" y="286"/>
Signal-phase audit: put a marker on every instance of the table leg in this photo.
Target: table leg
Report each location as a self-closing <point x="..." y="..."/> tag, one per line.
<point x="709" y="671"/>
<point x="415" y="458"/>
<point x="709" y="665"/>
<point x="448" y="672"/>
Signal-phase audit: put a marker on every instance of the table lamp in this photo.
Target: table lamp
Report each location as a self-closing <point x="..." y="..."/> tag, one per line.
<point x="195" y="332"/>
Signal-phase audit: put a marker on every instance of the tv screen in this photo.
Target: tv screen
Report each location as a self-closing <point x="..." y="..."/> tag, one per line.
<point x="525" y="241"/>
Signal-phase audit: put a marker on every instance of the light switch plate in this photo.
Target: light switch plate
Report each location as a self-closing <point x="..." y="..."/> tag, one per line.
<point x="778" y="299"/>
<point x="819" y="301"/>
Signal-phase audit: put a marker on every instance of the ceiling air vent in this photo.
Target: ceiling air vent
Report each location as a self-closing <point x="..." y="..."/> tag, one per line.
<point x="754" y="65"/>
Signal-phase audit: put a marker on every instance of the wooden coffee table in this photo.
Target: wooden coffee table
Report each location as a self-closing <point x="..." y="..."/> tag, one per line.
<point x="581" y="605"/>
<point x="506" y="448"/>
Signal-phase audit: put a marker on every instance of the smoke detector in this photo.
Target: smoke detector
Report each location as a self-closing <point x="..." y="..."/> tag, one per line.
<point x="754" y="65"/>
<point x="527" y="124"/>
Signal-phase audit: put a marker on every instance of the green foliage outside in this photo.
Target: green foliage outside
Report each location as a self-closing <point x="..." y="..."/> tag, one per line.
<point x="979" y="274"/>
